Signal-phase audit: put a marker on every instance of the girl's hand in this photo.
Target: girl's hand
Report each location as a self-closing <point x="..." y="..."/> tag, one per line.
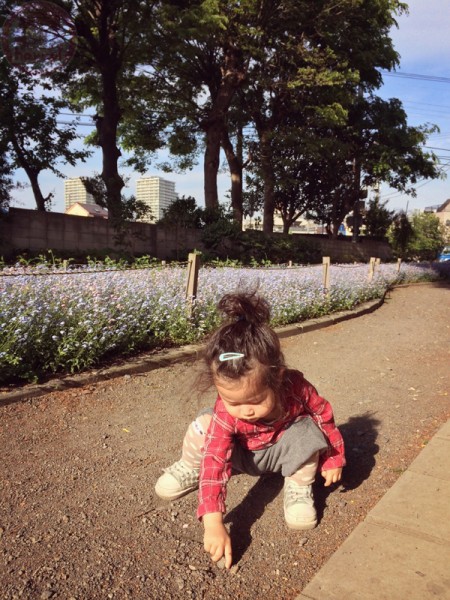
<point x="216" y="539"/>
<point x="332" y="476"/>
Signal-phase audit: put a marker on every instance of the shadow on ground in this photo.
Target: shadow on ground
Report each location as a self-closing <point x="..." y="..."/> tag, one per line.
<point x="252" y="507"/>
<point x="359" y="433"/>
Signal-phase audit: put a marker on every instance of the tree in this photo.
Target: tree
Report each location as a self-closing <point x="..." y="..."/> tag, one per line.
<point x="329" y="52"/>
<point x="377" y="218"/>
<point x="110" y="43"/>
<point x="184" y="213"/>
<point x="429" y="236"/>
<point x="200" y="65"/>
<point x="216" y="50"/>
<point x="418" y="238"/>
<point x="310" y="178"/>
<point x="391" y="150"/>
<point x="333" y="191"/>
<point x="6" y="182"/>
<point x="32" y="137"/>
<point x="236" y="165"/>
<point x="400" y="234"/>
<point x="375" y="144"/>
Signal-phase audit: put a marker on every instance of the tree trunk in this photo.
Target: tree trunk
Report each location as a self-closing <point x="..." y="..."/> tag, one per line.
<point x="235" y="166"/>
<point x="107" y="135"/>
<point x="335" y="229"/>
<point x="31" y="174"/>
<point x="38" y="197"/>
<point x="269" y="184"/>
<point x="96" y="27"/>
<point x="211" y="164"/>
<point x="215" y="124"/>
<point x="40" y="200"/>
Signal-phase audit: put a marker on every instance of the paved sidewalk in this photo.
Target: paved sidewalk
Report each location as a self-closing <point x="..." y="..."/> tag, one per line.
<point x="402" y="549"/>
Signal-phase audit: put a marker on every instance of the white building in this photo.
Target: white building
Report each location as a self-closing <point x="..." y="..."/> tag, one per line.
<point x="74" y="191"/>
<point x="157" y="193"/>
<point x="301" y="225"/>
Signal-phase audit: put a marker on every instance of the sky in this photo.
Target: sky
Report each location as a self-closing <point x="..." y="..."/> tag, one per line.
<point x="421" y="82"/>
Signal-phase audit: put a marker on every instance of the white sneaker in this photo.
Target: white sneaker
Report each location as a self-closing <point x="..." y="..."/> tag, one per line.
<point x="299" y="510"/>
<point x="178" y="480"/>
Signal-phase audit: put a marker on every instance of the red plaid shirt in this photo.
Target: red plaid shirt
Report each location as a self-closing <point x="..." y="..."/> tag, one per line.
<point x="301" y="400"/>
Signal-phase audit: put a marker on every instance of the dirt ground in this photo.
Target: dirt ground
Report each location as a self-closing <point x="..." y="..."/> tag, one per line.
<point x="79" y="518"/>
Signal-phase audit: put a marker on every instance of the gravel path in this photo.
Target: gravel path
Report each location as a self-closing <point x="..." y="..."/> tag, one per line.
<point x="79" y="519"/>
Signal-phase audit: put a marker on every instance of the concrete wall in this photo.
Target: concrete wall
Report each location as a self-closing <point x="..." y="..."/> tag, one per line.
<point x="344" y="250"/>
<point x="37" y="231"/>
<point x="174" y="243"/>
<point x="32" y="230"/>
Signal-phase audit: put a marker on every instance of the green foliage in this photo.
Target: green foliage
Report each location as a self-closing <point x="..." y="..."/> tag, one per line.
<point x="220" y="233"/>
<point x="6" y="182"/>
<point x="255" y="248"/>
<point x="107" y="262"/>
<point x="146" y="261"/>
<point x="428" y="237"/>
<point x="400" y="234"/>
<point x="261" y="248"/>
<point x="183" y="213"/>
<point x="418" y="238"/>
<point x="220" y="262"/>
<point x="5" y="197"/>
<point x="184" y="75"/>
<point x="224" y="240"/>
<point x="101" y="259"/>
<point x="378" y="218"/>
<point x="31" y="137"/>
<point x="390" y="149"/>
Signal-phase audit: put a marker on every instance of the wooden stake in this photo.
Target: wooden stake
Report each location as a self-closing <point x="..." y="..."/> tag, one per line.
<point x="326" y="274"/>
<point x="192" y="281"/>
<point x="371" y="269"/>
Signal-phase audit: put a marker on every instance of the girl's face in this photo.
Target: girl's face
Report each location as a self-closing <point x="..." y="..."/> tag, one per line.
<point x="248" y="398"/>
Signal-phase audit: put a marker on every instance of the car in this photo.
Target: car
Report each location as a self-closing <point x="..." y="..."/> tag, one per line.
<point x="444" y="255"/>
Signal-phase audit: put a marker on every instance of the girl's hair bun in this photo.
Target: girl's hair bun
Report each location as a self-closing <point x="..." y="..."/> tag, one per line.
<point x="244" y="341"/>
<point x="245" y="306"/>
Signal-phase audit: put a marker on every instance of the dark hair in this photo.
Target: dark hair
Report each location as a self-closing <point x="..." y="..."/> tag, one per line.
<point x="245" y="330"/>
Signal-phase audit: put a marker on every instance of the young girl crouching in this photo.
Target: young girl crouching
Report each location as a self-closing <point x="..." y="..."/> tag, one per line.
<point x="267" y="418"/>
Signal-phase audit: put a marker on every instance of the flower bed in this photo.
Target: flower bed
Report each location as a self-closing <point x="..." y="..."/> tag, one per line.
<point x="67" y="322"/>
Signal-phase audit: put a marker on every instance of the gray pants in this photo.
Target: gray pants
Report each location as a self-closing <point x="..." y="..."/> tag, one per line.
<point x="298" y="443"/>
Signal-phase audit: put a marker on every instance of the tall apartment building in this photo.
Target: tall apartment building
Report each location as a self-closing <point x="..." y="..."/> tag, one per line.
<point x="157" y="193"/>
<point x="74" y="191"/>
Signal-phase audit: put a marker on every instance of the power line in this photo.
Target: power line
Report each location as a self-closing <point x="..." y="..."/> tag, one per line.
<point x="427" y="104"/>
<point x="69" y="114"/>
<point x="434" y="148"/>
<point x="75" y="123"/>
<point x="417" y="76"/>
<point x="390" y="196"/>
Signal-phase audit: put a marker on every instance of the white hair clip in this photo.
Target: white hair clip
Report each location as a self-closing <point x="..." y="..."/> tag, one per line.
<point x="230" y="356"/>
